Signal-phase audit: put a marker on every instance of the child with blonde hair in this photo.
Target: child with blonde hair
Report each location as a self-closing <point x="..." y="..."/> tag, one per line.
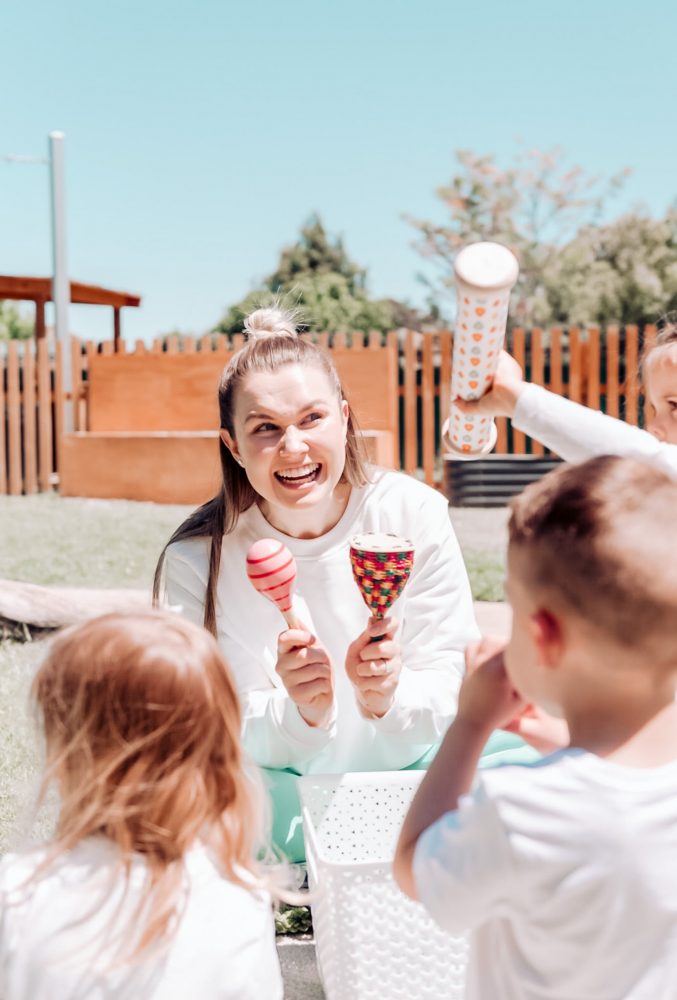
<point x="149" y="887"/>
<point x="576" y="432"/>
<point x="564" y="870"/>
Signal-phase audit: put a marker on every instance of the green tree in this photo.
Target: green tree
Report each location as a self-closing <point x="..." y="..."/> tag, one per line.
<point x="316" y="276"/>
<point x="535" y="206"/>
<point x="625" y="271"/>
<point x="13" y="325"/>
<point x="314" y="253"/>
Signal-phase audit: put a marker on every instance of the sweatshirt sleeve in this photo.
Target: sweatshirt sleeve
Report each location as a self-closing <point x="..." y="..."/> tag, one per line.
<point x="577" y="432"/>
<point x="273" y="732"/>
<point x="438" y="624"/>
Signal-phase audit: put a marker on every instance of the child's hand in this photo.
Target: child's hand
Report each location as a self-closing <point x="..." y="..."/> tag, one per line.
<point x="501" y="399"/>
<point x="487" y="699"/>
<point x="305" y="669"/>
<point x="543" y="732"/>
<point x="374" y="667"/>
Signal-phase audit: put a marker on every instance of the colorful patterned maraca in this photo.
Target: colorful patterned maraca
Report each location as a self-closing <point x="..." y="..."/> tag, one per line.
<point x="271" y="569"/>
<point x="381" y="566"/>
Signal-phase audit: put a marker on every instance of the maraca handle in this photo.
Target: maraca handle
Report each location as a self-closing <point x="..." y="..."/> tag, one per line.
<point x="291" y="619"/>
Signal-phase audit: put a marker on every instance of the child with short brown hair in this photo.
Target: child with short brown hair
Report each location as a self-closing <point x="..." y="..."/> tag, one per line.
<point x="564" y="870"/>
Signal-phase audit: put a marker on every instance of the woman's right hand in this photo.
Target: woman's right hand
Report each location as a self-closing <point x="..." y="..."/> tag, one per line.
<point x="306" y="671"/>
<point x="501" y="399"/>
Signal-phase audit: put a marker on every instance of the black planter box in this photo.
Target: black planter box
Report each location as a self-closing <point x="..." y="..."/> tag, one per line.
<point x="493" y="480"/>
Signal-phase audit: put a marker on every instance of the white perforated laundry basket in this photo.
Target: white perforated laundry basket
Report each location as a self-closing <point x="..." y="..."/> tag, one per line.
<point x="372" y="943"/>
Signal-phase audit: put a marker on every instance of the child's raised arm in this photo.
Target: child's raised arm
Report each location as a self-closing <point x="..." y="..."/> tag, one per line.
<point x="487" y="701"/>
<point x="572" y="431"/>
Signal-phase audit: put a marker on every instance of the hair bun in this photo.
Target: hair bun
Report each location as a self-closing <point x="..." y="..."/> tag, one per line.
<point x="270" y="322"/>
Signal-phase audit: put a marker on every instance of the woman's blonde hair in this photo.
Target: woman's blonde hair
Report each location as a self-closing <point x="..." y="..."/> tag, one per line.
<point x="142" y="728"/>
<point x="272" y="343"/>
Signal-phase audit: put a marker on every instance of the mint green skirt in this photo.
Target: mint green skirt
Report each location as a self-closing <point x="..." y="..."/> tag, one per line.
<point x="287" y="829"/>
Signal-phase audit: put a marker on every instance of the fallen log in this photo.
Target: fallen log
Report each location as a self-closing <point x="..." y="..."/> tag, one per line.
<point x="40" y="607"/>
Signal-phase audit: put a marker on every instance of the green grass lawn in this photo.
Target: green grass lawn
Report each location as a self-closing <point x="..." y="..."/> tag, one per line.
<point x="98" y="543"/>
<point x="85" y="543"/>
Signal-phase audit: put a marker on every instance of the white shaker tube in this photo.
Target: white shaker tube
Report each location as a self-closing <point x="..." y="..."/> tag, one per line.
<point x="485" y="274"/>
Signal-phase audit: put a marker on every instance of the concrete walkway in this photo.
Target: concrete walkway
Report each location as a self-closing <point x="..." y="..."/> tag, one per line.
<point x="299" y="970"/>
<point x="493" y="617"/>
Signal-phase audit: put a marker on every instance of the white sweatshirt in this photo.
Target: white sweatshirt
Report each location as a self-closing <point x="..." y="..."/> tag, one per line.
<point x="576" y="432"/>
<point x="434" y="611"/>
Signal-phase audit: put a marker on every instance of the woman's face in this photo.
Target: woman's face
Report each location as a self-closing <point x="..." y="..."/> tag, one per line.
<point x="290" y="435"/>
<point x="660" y="376"/>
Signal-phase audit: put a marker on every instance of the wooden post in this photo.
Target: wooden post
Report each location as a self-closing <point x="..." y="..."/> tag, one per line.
<point x="40" y="329"/>
<point x="116" y="328"/>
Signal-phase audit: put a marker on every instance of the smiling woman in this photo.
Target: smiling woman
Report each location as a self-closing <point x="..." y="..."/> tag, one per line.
<point x="336" y="694"/>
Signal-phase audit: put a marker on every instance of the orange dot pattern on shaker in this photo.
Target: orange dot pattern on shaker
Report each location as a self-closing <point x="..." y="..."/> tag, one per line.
<point x="485" y="273"/>
<point x="381" y="575"/>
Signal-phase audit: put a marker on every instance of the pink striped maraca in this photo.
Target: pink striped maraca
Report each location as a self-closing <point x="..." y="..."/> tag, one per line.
<point x="271" y="569"/>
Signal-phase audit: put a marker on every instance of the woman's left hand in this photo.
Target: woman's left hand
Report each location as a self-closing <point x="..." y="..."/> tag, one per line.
<point x="374" y="667"/>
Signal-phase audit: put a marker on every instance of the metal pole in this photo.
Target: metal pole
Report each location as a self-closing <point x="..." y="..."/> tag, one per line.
<point x="60" y="282"/>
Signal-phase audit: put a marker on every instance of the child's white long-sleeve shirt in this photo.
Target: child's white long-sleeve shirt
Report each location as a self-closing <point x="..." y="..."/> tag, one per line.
<point x="436" y="623"/>
<point x="62" y="935"/>
<point x="576" y="432"/>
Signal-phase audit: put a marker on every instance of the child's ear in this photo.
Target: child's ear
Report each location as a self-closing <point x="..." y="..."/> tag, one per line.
<point x="547" y="636"/>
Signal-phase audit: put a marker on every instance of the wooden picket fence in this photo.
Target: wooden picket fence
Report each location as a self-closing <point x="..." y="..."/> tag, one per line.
<point x="590" y="366"/>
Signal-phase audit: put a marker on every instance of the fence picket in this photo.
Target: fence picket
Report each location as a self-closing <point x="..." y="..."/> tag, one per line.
<point x="612" y="387"/>
<point x="631" y="380"/>
<point x="58" y="404"/>
<point x="410" y="403"/>
<point x="77" y="390"/>
<point x="592" y="368"/>
<point x="518" y="350"/>
<point x="29" y="436"/>
<point x="537" y="376"/>
<point x="575" y="381"/>
<point x="14" y="419"/>
<point x="556" y="383"/>
<point x="3" y="425"/>
<point x="428" y="429"/>
<point x="444" y="340"/>
<point x="45" y="447"/>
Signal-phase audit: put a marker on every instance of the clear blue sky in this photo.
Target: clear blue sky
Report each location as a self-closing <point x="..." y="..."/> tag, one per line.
<point x="201" y="134"/>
